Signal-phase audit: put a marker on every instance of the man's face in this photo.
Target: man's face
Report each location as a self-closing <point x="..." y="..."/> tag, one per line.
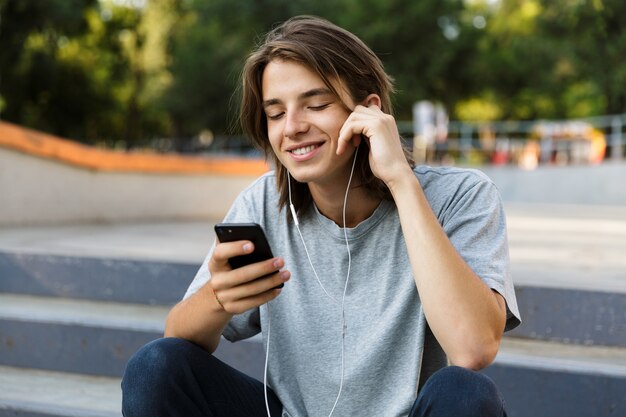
<point x="304" y="118"/>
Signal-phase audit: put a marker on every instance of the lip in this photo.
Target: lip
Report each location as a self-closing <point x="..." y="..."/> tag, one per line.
<point x="305" y="156"/>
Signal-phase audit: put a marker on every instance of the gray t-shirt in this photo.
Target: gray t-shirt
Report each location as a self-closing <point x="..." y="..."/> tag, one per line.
<point x="387" y="341"/>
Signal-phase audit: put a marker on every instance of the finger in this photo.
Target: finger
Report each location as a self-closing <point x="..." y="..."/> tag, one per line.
<point x="362" y="113"/>
<point x="224" y="251"/>
<point x="245" y="304"/>
<point x="350" y="133"/>
<point x="246" y="274"/>
<point x="255" y="287"/>
<point x="256" y="270"/>
<point x="375" y="108"/>
<point x="345" y="138"/>
<point x="244" y="297"/>
<point x="371" y="109"/>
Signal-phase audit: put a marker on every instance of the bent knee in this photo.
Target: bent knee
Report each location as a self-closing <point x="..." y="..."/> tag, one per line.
<point x="152" y="374"/>
<point x="158" y="360"/>
<point x="461" y="378"/>
<point x="472" y="392"/>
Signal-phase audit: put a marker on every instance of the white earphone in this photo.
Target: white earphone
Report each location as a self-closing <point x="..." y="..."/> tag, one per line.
<point x="343" y="298"/>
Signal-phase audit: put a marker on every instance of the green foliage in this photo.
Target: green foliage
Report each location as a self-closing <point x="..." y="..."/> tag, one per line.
<point x="484" y="108"/>
<point x="30" y="34"/>
<point x="596" y="36"/>
<point x="103" y="71"/>
<point x="209" y="45"/>
<point x="410" y="37"/>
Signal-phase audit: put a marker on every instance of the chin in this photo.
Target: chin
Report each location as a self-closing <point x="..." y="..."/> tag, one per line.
<point x="305" y="175"/>
<point x="300" y="177"/>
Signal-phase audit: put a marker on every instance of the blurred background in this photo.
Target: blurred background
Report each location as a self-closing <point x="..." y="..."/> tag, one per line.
<point x="119" y="151"/>
<point x="163" y="74"/>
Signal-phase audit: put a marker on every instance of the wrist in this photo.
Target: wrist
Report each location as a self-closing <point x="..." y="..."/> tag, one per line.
<point x="403" y="181"/>
<point x="217" y="299"/>
<point x="211" y="299"/>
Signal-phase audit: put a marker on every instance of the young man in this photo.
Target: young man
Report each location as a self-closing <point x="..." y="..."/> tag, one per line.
<point x="390" y="271"/>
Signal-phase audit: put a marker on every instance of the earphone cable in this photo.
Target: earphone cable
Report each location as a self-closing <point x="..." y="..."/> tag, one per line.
<point x="306" y="250"/>
<point x="267" y="357"/>
<point x="343" y="298"/>
<point x="345" y="287"/>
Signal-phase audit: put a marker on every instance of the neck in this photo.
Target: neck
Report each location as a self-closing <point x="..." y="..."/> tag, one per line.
<point x="330" y="201"/>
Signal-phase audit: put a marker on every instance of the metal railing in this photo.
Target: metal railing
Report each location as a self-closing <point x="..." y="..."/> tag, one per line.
<point x="524" y="143"/>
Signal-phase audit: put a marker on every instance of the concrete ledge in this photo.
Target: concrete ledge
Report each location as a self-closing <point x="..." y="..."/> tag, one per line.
<point x="532" y="392"/>
<point x="45" y="179"/>
<point x="590" y="185"/>
<point x="94" y="338"/>
<point x="41" y="191"/>
<point x="36" y="393"/>
<point x="102" y="279"/>
<point x="99" y="351"/>
<point x="69" y="348"/>
<point x="541" y="379"/>
<point x="50" y="147"/>
<point x="572" y="316"/>
<point x="549" y="312"/>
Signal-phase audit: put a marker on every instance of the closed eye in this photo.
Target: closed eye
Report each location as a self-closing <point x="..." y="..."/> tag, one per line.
<point x="320" y="107"/>
<point x="275" y="116"/>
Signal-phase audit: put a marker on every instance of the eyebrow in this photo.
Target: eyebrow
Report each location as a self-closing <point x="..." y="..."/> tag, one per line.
<point x="307" y="94"/>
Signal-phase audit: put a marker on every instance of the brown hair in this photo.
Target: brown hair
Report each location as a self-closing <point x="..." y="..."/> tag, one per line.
<point x="332" y="53"/>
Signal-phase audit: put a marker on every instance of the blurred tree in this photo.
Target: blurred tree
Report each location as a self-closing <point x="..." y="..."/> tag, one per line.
<point x="516" y="65"/>
<point x="595" y="35"/>
<point x="424" y="45"/>
<point x="545" y="59"/>
<point x="84" y="69"/>
<point x="125" y="71"/>
<point x="208" y="47"/>
<point x="140" y="39"/>
<point x="31" y="33"/>
<point x="90" y="103"/>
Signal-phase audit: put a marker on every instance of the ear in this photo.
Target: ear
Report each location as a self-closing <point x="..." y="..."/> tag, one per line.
<point x="372" y="100"/>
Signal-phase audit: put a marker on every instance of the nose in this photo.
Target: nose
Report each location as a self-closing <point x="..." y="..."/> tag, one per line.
<point x="295" y="124"/>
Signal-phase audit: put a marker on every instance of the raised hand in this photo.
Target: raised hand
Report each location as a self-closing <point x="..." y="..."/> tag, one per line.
<point x="387" y="159"/>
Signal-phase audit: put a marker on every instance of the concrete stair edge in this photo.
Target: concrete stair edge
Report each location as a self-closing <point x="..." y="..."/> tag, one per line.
<point x="34" y="392"/>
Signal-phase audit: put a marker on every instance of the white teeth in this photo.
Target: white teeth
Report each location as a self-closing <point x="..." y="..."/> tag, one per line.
<point x="302" y="151"/>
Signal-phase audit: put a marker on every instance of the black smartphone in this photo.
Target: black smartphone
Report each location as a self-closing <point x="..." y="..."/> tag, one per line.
<point x="231" y="232"/>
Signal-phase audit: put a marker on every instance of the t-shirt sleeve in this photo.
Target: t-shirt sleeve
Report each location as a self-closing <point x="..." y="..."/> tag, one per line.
<point x="475" y="224"/>
<point x="247" y="324"/>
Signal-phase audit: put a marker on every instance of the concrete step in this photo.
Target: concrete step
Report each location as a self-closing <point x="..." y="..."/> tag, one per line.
<point x="550" y="312"/>
<point x="536" y="378"/>
<point x="37" y="393"/>
<point x="73" y="335"/>
<point x="547" y="379"/>
<point x="568" y="268"/>
<point x="572" y="316"/>
<point x="90" y="337"/>
<point x="59" y="334"/>
<point x="568" y="246"/>
<point x="556" y="245"/>
<point x="95" y="278"/>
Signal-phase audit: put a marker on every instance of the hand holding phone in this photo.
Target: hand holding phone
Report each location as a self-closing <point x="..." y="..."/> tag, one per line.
<point x="232" y="232"/>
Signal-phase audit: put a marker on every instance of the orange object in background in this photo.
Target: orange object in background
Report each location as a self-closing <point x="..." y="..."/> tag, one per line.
<point x="55" y="148"/>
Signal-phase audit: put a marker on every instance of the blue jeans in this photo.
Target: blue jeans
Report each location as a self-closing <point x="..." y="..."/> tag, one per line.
<point x="173" y="377"/>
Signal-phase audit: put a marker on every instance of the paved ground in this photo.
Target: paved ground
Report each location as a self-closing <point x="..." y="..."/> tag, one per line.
<point x="551" y="245"/>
